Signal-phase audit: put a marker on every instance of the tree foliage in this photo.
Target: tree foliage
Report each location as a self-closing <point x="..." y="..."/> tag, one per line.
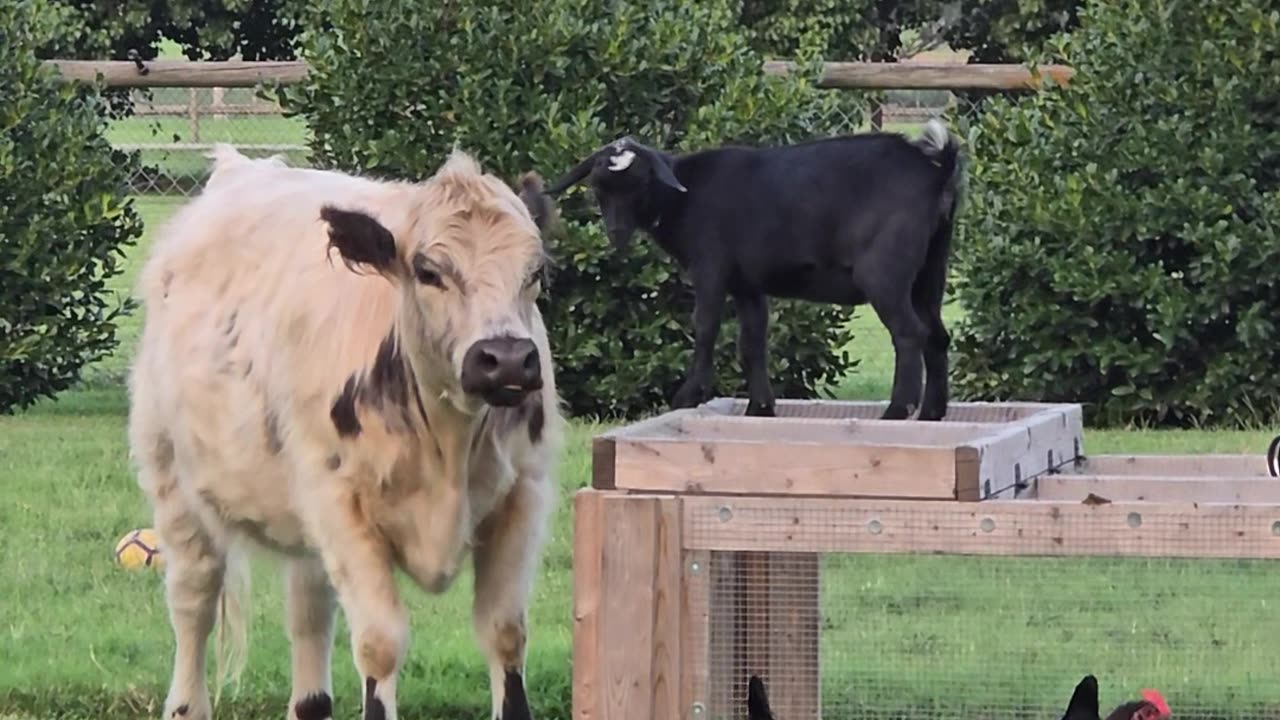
<point x="1120" y="248"/>
<point x="63" y="218"/>
<point x="394" y="86"/>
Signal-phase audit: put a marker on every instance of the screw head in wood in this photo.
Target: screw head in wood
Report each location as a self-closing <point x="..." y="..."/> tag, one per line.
<point x="1135" y="520"/>
<point x="725" y="513"/>
<point x="987" y="524"/>
<point x="874" y="527"/>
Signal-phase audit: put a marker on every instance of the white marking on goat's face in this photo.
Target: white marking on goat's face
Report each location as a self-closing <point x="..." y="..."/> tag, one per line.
<point x="621" y="161"/>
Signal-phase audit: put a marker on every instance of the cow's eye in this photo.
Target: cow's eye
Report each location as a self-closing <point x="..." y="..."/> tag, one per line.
<point x="427" y="276"/>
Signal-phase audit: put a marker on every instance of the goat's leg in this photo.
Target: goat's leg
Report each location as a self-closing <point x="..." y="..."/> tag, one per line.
<point x="753" y="344"/>
<point x="708" y="304"/>
<point x="358" y="562"/>
<point x="908" y="333"/>
<point x="508" y="545"/>
<point x="936" y="347"/>
<point x="310" y="604"/>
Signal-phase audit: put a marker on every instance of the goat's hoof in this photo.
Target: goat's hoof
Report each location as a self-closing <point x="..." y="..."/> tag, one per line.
<point x="931" y="415"/>
<point x="688" y="397"/>
<point x="896" y="412"/>
<point x="754" y="410"/>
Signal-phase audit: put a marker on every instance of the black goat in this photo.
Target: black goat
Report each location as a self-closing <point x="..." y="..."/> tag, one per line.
<point x="849" y="220"/>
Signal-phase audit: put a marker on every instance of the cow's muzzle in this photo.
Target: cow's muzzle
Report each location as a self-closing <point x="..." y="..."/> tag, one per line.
<point x="502" y="370"/>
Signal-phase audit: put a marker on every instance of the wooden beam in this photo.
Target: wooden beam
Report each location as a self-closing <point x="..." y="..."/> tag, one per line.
<point x="1162" y="489"/>
<point x="183" y="73"/>
<point x="627" y="606"/>
<point x="929" y="76"/>
<point x="842" y="75"/>
<point x="1220" y="465"/>
<point x="994" y="527"/>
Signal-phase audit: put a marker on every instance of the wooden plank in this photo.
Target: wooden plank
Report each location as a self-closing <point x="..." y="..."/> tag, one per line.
<point x="994" y="527"/>
<point x="795" y="617"/>
<point x="627" y="633"/>
<point x="1216" y="465"/>
<point x="1161" y="489"/>
<point x="907" y="433"/>
<point x="183" y="73"/>
<point x="796" y="469"/>
<point x="588" y="604"/>
<point x="695" y="631"/>
<point x="930" y="76"/>
<point x="668" y="578"/>
<point x="967" y="412"/>
<point x="1044" y="442"/>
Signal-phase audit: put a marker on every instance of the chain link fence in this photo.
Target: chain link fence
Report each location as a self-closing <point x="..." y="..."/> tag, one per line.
<point x="173" y="129"/>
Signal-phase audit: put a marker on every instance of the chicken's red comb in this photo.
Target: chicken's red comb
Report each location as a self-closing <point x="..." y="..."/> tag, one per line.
<point x="1155" y="698"/>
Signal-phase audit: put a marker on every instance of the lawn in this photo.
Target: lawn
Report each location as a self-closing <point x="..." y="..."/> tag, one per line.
<point x="903" y="636"/>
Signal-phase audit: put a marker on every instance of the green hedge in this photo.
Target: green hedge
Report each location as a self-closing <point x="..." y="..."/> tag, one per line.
<point x="63" y="217"/>
<point x="394" y="85"/>
<point x="1120" y="246"/>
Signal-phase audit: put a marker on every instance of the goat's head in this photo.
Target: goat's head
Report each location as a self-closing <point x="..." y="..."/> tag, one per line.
<point x="623" y="175"/>
<point x="467" y="256"/>
<point x="1084" y="705"/>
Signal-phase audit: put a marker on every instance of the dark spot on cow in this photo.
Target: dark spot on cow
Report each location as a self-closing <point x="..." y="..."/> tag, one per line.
<point x="343" y="412"/>
<point x="182" y="710"/>
<point x="316" y="706"/>
<point x="248" y="368"/>
<point x="231" y="325"/>
<point x="417" y="399"/>
<point x="537" y="421"/>
<point x="334" y="462"/>
<point x="373" y="707"/>
<point x="388" y="381"/>
<point x="515" y="706"/>
<point x="271" y="428"/>
<point x="163" y="452"/>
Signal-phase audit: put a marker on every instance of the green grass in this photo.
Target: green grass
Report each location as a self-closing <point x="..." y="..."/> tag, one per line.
<point x="80" y="638"/>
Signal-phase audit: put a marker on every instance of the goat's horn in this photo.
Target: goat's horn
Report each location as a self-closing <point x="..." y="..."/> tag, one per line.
<point x="572" y="177"/>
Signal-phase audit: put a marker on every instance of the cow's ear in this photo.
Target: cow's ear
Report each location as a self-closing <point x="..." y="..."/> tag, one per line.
<point x="536" y="199"/>
<point x="362" y="241"/>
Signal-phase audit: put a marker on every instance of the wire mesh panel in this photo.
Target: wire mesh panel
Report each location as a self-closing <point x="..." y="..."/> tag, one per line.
<point x="859" y="609"/>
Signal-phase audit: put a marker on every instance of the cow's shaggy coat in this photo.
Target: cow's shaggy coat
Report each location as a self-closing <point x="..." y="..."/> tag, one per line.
<point x="353" y="373"/>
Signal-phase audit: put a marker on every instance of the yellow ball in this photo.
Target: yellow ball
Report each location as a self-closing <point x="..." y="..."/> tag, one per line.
<point x="139" y="548"/>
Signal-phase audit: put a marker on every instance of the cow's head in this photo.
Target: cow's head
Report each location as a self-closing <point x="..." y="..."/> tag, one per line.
<point x="625" y="177"/>
<point x="468" y="258"/>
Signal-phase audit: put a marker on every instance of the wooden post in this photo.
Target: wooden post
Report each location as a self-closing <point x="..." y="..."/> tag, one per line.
<point x="627" y="607"/>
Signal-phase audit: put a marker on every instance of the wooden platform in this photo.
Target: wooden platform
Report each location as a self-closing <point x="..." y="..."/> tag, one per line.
<point x="841" y="449"/>
<point x="703" y="533"/>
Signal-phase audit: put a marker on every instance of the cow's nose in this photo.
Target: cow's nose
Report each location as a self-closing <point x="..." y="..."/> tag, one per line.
<point x="502" y="370"/>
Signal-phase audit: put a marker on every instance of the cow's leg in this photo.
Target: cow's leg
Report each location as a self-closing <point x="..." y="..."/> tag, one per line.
<point x="358" y="562"/>
<point x="709" y="294"/>
<point x="753" y="348"/>
<point x="194" y="571"/>
<point x="310" y="604"/>
<point x="506" y="555"/>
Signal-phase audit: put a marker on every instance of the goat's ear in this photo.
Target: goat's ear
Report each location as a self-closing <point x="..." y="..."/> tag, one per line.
<point x="361" y="240"/>
<point x="1084" y="701"/>
<point x="535" y="198"/>
<point x="663" y="172"/>
<point x="757" y="700"/>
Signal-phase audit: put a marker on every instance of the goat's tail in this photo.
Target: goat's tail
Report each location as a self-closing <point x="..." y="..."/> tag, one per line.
<point x="943" y="148"/>
<point x="231" y="644"/>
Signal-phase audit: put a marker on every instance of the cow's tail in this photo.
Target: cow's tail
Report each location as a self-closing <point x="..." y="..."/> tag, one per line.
<point x="231" y="643"/>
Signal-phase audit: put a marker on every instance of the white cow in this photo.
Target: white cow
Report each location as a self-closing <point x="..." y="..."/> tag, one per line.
<point x="394" y="407"/>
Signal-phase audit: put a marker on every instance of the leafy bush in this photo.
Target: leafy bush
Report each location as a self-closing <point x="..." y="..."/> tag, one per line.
<point x="63" y="219"/>
<point x="394" y="85"/>
<point x="1120" y="245"/>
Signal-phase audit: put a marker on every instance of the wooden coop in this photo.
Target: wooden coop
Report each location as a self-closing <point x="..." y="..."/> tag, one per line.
<point x="696" y="550"/>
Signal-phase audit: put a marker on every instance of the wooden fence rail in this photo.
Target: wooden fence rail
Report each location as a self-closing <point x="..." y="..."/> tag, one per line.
<point x="843" y="75"/>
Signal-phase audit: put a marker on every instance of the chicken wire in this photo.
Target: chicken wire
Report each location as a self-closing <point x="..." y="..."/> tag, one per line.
<point x="944" y="628"/>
